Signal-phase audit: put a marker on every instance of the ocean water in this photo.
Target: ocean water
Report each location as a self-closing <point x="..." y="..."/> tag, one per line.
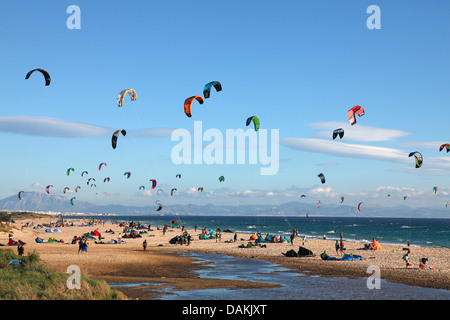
<point x="419" y="231"/>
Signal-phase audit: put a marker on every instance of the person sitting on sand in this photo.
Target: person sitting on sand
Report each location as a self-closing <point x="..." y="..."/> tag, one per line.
<point x="423" y="264"/>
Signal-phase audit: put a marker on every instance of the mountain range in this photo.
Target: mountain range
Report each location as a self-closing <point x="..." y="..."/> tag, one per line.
<point x="42" y="202"/>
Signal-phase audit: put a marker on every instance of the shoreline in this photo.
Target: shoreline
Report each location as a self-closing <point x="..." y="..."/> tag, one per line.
<point x="162" y="266"/>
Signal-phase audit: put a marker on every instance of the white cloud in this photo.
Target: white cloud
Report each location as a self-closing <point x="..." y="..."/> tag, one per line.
<point x="342" y="149"/>
<point x="153" y="132"/>
<point x="51" y="127"/>
<point x="423" y="145"/>
<point x="358" y="133"/>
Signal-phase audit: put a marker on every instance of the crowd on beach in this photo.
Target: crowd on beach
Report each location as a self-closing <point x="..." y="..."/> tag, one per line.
<point x="134" y="230"/>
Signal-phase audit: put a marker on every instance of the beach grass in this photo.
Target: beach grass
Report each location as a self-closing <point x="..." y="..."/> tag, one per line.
<point x="32" y="280"/>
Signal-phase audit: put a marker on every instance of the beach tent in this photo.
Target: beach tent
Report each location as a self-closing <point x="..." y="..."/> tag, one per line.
<point x="254" y="237"/>
<point x="96" y="233"/>
<point x="49" y="230"/>
<point x="88" y="236"/>
<point x="302" y="252"/>
<point x="206" y="236"/>
<point x="260" y="239"/>
<point x="11" y="242"/>
<point x="346" y="257"/>
<point x="376" y="245"/>
<point x="291" y="253"/>
<point x="39" y="240"/>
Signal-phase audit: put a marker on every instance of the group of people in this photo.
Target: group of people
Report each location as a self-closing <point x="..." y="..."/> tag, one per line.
<point x="82" y="246"/>
<point x="422" y="261"/>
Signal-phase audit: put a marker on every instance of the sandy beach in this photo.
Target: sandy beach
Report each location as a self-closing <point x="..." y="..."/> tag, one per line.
<point x="160" y="263"/>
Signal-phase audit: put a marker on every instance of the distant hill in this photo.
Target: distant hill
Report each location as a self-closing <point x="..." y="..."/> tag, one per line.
<point x="38" y="201"/>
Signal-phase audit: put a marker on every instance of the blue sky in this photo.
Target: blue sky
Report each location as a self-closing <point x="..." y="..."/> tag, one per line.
<point x="297" y="65"/>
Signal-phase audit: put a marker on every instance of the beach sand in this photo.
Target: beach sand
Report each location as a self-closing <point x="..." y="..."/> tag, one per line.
<point x="161" y="266"/>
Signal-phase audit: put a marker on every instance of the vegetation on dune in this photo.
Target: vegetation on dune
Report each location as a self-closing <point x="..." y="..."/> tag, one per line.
<point x="31" y="280"/>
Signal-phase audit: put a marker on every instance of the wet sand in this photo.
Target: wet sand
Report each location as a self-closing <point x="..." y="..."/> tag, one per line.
<point x="161" y="265"/>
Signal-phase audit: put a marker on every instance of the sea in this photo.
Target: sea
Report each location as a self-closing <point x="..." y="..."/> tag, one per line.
<point x="295" y="285"/>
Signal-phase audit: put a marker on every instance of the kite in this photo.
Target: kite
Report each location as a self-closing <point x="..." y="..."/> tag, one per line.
<point x="322" y="177"/>
<point x="338" y="132"/>
<point x="255" y="120"/>
<point x="90" y="180"/>
<point x="44" y="73"/>
<point x="446" y="146"/>
<point x="128" y="174"/>
<point x="171" y="191"/>
<point x="84" y="173"/>
<point x="153" y="183"/>
<point x="359" y="205"/>
<point x="66" y="189"/>
<point x="434" y="190"/>
<point x="70" y="169"/>
<point x="18" y="195"/>
<point x="419" y="159"/>
<point x="71" y="200"/>
<point x="178" y="176"/>
<point x="106" y="179"/>
<point x="188" y="102"/>
<point x="48" y="188"/>
<point x="101" y="164"/>
<point x="342" y="199"/>
<point x="200" y="189"/>
<point x="159" y="208"/>
<point x="142" y="187"/>
<point x="207" y="88"/>
<point x="157" y="192"/>
<point x="351" y="114"/>
<point x="116" y="135"/>
<point x="76" y="189"/>
<point x="122" y="94"/>
<point x="221" y="178"/>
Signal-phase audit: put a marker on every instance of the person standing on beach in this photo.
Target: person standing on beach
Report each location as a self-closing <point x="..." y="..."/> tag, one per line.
<point x="406" y="259"/>
<point x="85" y="245"/>
<point x="144" y="244"/>
<point x="20" y="249"/>
<point x="292" y="239"/>
<point x="80" y="245"/>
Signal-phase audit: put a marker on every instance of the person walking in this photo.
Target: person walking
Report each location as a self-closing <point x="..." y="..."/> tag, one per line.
<point x="144" y="244"/>
<point x="20" y="249"/>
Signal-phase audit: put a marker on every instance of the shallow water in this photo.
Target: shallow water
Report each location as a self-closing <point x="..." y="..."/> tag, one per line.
<point x="295" y="286"/>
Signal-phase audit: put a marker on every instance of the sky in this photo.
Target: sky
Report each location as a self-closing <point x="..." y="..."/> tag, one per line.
<point x="298" y="66"/>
